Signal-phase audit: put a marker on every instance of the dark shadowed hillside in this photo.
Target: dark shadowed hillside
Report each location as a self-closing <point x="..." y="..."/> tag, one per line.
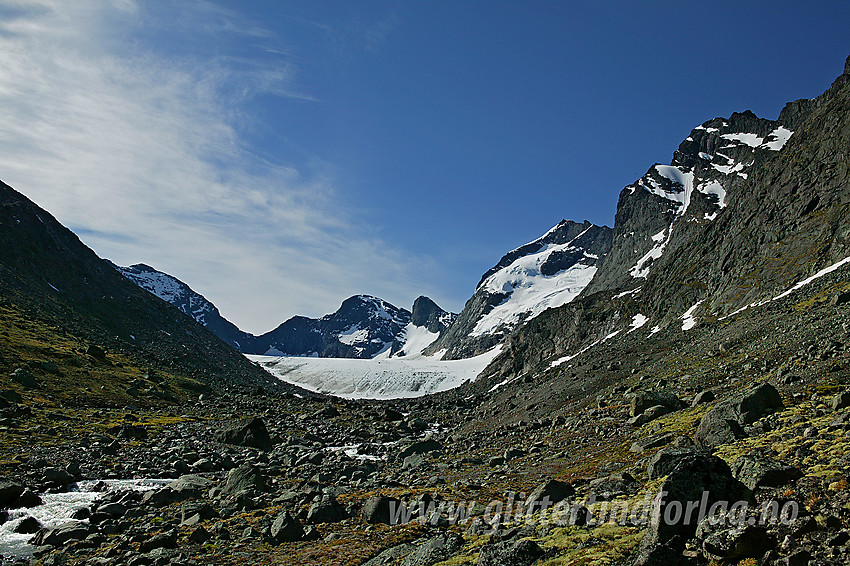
<point x="49" y="277"/>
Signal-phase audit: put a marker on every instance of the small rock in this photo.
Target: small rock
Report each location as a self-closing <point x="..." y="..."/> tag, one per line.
<point x="643" y="400"/>
<point x="24" y="378"/>
<point x="839" y="299"/>
<point x="27" y="526"/>
<point x="841" y="401"/>
<point x="199" y="536"/>
<point x="650" y="415"/>
<point x="702" y="398"/>
<point x="286" y="528"/>
<point x="96" y="352"/>
<point x="162" y="540"/>
<point x="379" y="509"/>
<point x="650" y="442"/>
<point x="799" y="557"/>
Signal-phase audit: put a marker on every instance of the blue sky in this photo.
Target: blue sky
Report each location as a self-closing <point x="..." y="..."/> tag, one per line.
<point x="280" y="156"/>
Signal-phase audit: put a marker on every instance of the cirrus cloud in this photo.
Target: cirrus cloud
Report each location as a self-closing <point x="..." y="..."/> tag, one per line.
<point x="117" y="122"/>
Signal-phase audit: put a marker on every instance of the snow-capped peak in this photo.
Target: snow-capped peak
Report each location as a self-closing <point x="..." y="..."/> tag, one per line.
<point x="170" y="289"/>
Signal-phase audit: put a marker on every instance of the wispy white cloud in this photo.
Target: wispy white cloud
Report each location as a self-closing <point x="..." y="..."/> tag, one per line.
<point x="137" y="148"/>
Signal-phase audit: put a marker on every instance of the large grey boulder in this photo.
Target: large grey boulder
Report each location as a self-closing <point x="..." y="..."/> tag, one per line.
<point x="57" y="478"/>
<point x="696" y="478"/>
<point x="724" y="422"/>
<point x="421" y="447"/>
<point x="664" y="461"/>
<point x="554" y="490"/>
<point x="756" y="402"/>
<point x="510" y="553"/>
<point x="643" y="400"/>
<point x="250" y="432"/>
<point x="9" y="493"/>
<point x="245" y="477"/>
<point x="440" y="548"/>
<point x="380" y="509"/>
<point x="59" y="535"/>
<point x="702" y="398"/>
<point x="327" y="510"/>
<point x="718" y="426"/>
<point x="613" y="485"/>
<point x="391" y="556"/>
<point x="190" y="486"/>
<point x="286" y="528"/>
<point x="756" y="471"/>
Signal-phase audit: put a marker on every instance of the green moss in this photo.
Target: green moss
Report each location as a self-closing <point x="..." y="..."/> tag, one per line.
<point x="682" y="422"/>
<point x="613" y="544"/>
<point x="822" y="297"/>
<point x="66" y="376"/>
<point x="828" y="448"/>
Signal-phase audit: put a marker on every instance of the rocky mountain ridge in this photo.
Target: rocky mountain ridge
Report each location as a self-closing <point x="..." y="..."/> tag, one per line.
<point x="172" y="290"/>
<point x="780" y="222"/>
<point x="363" y="326"/>
<point x="546" y="273"/>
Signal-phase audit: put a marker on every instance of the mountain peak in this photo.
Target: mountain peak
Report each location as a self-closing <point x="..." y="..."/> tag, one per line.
<point x="428" y="314"/>
<point x="544" y="273"/>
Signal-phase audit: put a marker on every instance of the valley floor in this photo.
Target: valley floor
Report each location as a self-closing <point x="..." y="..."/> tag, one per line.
<point x="316" y="490"/>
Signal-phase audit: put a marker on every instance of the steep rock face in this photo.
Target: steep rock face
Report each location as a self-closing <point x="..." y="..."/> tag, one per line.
<point x="174" y="291"/>
<point x="655" y="212"/>
<point x="783" y="222"/>
<point x="545" y="273"/>
<point x="427" y="314"/>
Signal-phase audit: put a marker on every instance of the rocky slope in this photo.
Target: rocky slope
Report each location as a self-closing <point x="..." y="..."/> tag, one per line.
<point x="52" y="282"/>
<point x="546" y="273"/>
<point x="655" y="213"/>
<point x="179" y="294"/>
<point x="306" y="481"/>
